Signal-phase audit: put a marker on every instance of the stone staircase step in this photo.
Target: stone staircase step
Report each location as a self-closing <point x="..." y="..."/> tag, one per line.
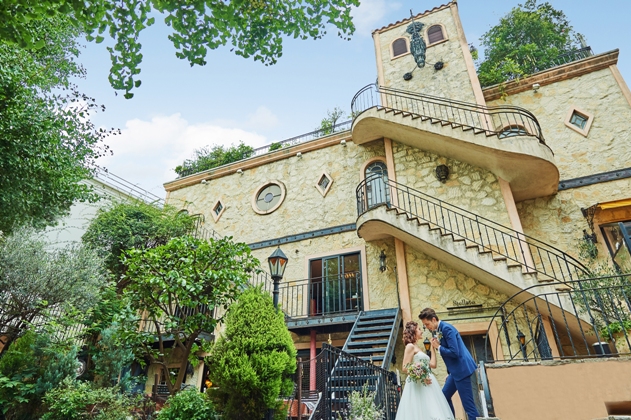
<point x="467" y="128"/>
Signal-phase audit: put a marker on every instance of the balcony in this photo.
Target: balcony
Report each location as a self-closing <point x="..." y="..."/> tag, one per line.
<point x="506" y="140"/>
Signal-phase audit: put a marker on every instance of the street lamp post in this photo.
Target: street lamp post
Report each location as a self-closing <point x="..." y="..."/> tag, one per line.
<point x="277" y="264"/>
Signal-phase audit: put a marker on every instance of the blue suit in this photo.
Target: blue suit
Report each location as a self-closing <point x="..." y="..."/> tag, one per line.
<point x="460" y="366"/>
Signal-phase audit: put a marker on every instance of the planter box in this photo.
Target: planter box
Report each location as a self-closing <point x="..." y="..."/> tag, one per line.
<point x="621" y="342"/>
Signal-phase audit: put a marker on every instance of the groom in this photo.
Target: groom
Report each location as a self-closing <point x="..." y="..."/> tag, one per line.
<point x="458" y="360"/>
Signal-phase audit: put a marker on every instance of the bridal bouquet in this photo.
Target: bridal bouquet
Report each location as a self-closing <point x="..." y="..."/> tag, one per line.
<point x="419" y="371"/>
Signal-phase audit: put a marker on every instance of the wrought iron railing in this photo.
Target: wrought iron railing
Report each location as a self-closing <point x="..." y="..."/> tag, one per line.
<point x="303" y="138"/>
<point x="592" y="318"/>
<point x="535" y="256"/>
<point x="570" y="57"/>
<point x="321" y="296"/>
<point x="502" y="121"/>
<point x="335" y="374"/>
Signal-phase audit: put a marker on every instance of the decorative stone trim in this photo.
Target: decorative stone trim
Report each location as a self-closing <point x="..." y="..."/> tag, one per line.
<point x="260" y="189"/>
<point x="323" y="184"/>
<point x="362" y="170"/>
<point x="217" y="210"/>
<point x="410" y="19"/>
<point x="588" y="124"/>
<point x="407" y="44"/>
<point x="553" y="75"/>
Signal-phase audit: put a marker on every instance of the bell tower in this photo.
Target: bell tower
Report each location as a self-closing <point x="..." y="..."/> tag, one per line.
<point x="428" y="53"/>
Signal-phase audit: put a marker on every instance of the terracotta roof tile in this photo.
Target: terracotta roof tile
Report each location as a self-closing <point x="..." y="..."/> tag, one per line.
<point x="420" y="15"/>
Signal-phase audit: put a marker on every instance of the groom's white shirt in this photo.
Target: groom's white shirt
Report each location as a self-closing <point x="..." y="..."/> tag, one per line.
<point x="437" y="329"/>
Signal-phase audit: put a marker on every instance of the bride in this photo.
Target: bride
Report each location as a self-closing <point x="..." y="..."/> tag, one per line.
<point x="421" y="401"/>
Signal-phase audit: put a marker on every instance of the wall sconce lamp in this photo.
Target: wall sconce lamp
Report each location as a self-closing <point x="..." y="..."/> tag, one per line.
<point x="536" y="87"/>
<point x="240" y="171"/>
<point x="442" y="173"/>
<point x="382" y="261"/>
<point x="343" y="143"/>
<point x="427" y="346"/>
<point x="299" y="155"/>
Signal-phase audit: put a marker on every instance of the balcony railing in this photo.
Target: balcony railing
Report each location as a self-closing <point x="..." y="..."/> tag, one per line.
<point x="502" y="121"/>
<point x="322" y="296"/>
<point x="535" y="256"/>
<point x="592" y="318"/>
<point x="303" y="138"/>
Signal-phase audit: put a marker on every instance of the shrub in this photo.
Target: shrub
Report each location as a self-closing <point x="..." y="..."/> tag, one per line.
<point x="252" y="361"/>
<point x="75" y="400"/>
<point x="361" y="406"/>
<point x="32" y="366"/>
<point x="188" y="404"/>
<point x="212" y="157"/>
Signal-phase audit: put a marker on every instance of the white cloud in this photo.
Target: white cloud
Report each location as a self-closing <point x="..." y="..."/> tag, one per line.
<point x="370" y="13"/>
<point x="146" y="152"/>
<point x="262" y="119"/>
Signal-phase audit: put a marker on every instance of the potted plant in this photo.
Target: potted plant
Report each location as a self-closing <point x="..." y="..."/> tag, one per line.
<point x="616" y="332"/>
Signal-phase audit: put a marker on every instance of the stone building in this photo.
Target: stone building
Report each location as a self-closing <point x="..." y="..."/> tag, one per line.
<point x="445" y="194"/>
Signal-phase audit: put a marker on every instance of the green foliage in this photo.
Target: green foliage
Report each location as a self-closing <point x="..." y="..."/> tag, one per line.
<point x="212" y="157"/>
<point x="135" y="225"/>
<point x="189" y="405"/>
<point x="275" y="146"/>
<point x="38" y="285"/>
<point x="252" y="361"/>
<point x="529" y="38"/>
<point x="48" y="143"/>
<point x="177" y="288"/>
<point x="614" y="328"/>
<point x="253" y="28"/>
<point x="361" y="405"/>
<point x="327" y="125"/>
<point x="32" y="366"/>
<point x="75" y="400"/>
<point x="110" y="358"/>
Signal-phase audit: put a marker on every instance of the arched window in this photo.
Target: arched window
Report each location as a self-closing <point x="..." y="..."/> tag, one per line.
<point x="399" y="47"/>
<point x="512" y="131"/>
<point x="435" y="34"/>
<point x="377" y="187"/>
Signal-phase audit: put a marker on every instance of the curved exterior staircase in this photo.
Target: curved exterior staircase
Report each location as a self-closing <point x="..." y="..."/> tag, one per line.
<point x="505" y="259"/>
<point x="505" y="140"/>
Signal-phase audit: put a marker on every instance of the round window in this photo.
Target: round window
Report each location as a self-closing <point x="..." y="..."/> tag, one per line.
<point x="268" y="197"/>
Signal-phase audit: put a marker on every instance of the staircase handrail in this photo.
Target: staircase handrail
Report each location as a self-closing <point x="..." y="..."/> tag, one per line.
<point x="596" y="301"/>
<point x="410" y="200"/>
<point x="385" y="378"/>
<point x="495" y="120"/>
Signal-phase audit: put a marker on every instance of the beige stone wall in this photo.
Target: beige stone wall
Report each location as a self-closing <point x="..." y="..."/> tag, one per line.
<point x="558" y="221"/>
<point x="452" y="82"/>
<point x="468" y="187"/>
<point x="437" y="285"/>
<point x="608" y="144"/>
<point x="304" y="208"/>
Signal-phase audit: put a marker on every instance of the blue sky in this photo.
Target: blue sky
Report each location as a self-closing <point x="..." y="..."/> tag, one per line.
<point x="180" y="108"/>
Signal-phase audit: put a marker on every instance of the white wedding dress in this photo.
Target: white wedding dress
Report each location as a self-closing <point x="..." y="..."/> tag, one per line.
<point x="423" y="402"/>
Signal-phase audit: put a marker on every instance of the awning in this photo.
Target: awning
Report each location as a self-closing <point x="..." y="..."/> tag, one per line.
<point x="615" y="204"/>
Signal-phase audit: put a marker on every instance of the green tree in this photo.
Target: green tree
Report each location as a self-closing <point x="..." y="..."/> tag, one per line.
<point x="48" y="143"/>
<point x="252" y="361"/>
<point x="529" y="38"/>
<point x="174" y="295"/>
<point x="29" y="369"/>
<point x="254" y="28"/>
<point x="134" y="225"/>
<point x="212" y="157"/>
<point x="327" y="125"/>
<point x="189" y="405"/>
<point x="37" y="285"/>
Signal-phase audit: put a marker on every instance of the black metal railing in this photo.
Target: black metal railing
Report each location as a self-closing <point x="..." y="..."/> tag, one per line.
<point x="334" y="374"/>
<point x="321" y="296"/>
<point x="569" y="57"/>
<point x="535" y="256"/>
<point x="303" y="138"/>
<point x="501" y="121"/>
<point x="592" y="318"/>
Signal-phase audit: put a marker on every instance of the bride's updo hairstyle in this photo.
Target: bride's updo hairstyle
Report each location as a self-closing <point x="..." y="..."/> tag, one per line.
<point x="409" y="333"/>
